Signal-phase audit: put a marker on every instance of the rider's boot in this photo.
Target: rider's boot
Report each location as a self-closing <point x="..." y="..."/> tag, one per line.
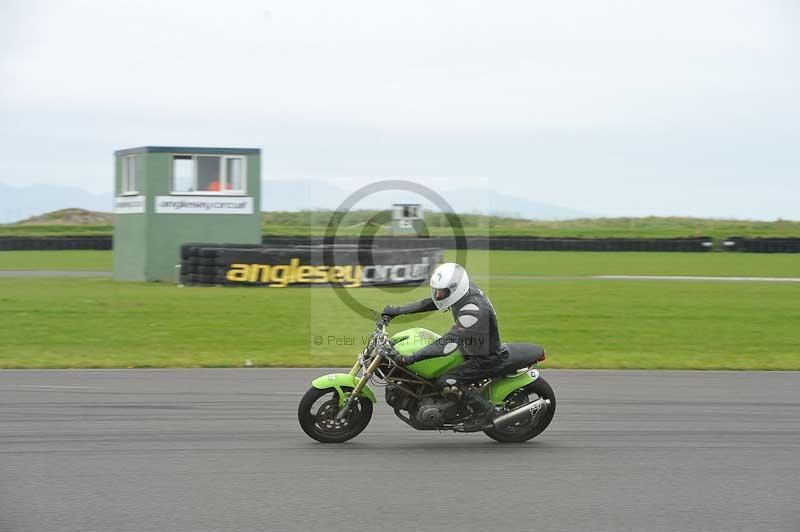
<point x="484" y="410"/>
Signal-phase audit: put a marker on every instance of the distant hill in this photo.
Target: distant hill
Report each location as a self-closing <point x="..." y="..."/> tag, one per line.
<point x="21" y="202"/>
<point x="70" y="217"/>
<point x="18" y="203"/>
<point x="310" y="194"/>
<point x="303" y="207"/>
<point x="314" y="222"/>
<point x="489" y="202"/>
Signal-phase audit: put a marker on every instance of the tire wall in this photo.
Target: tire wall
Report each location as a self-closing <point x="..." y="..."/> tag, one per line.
<point x="762" y="245"/>
<point x="273" y="266"/>
<point x="55" y="243"/>
<point x="699" y="244"/>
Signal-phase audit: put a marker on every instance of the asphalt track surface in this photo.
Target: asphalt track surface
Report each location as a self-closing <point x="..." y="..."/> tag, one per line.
<point x="202" y="450"/>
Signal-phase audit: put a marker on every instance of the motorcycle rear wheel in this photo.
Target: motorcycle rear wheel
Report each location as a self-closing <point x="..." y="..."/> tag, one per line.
<point x="527" y="430"/>
<point x="320" y="423"/>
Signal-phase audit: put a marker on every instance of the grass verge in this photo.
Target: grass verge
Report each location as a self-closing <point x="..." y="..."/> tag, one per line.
<point x="56" y="260"/>
<point x="82" y="323"/>
<point x="580" y="263"/>
<point x="507" y="263"/>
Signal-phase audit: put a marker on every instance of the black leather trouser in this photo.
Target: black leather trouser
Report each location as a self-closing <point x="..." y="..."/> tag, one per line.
<point x="473" y="369"/>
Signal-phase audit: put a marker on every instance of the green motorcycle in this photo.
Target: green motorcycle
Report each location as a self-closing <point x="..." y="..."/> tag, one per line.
<point x="339" y="406"/>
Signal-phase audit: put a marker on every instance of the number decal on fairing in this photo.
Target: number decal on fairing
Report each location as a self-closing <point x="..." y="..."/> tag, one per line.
<point x="534" y="373"/>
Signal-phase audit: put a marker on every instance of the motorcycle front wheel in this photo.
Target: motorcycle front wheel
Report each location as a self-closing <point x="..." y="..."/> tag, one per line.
<point x="528" y="429"/>
<point x="317" y="415"/>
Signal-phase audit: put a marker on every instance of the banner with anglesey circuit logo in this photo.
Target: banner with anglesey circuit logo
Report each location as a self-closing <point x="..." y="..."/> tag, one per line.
<point x="350" y="266"/>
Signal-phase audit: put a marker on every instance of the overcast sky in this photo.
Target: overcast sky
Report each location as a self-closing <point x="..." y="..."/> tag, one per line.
<point x="617" y="108"/>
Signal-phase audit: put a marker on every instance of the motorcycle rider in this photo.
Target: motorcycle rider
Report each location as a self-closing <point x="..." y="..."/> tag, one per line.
<point x="474" y="333"/>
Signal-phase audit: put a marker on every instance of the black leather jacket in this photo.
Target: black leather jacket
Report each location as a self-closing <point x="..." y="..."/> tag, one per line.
<point x="475" y="331"/>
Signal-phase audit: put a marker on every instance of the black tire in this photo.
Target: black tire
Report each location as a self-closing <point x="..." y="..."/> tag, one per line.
<point x="525" y="431"/>
<point x="319" y="424"/>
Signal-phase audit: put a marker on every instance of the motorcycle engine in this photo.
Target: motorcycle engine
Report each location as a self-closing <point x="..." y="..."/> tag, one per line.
<point x="434" y="412"/>
<point x="398" y="399"/>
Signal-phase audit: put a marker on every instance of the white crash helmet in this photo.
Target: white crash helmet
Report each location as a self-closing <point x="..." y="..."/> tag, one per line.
<point x="449" y="283"/>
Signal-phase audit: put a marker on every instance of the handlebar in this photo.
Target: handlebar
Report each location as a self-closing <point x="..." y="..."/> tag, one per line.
<point x="380" y="333"/>
<point x="383" y="321"/>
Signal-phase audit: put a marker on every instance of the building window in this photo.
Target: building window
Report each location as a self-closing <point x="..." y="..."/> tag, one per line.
<point x="208" y="174"/>
<point x="130" y="183"/>
<point x="234" y="173"/>
<point x="182" y="173"/>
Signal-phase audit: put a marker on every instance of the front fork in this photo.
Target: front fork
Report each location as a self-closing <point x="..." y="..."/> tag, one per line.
<point x="356" y="367"/>
<point x="368" y="373"/>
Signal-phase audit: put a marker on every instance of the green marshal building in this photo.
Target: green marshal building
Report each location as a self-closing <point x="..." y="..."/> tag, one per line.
<point x="168" y="196"/>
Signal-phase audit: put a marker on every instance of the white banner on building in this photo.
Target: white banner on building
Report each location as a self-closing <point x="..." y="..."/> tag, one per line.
<point x="129" y="205"/>
<point x="204" y="205"/>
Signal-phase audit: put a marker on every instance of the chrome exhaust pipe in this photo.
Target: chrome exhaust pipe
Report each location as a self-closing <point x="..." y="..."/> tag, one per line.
<point x="522" y="413"/>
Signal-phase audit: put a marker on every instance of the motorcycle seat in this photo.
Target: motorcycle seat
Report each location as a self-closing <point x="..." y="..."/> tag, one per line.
<point x="518" y="356"/>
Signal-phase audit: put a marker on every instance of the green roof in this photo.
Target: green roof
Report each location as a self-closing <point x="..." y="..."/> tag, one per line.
<point x="188" y="150"/>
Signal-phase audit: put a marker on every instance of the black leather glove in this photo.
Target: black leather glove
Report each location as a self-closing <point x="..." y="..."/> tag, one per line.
<point x="390" y="311"/>
<point x="404" y="360"/>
